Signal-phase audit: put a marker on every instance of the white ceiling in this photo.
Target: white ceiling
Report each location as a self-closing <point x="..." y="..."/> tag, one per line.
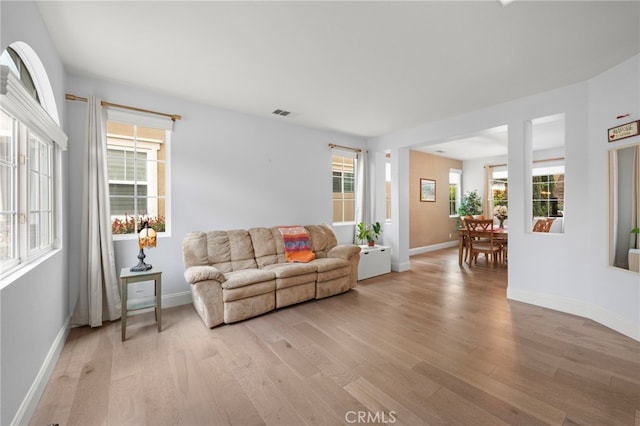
<point x="547" y="133"/>
<point x="362" y="68"/>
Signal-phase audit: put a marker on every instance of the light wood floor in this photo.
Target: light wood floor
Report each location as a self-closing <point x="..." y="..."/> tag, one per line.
<point x="439" y="344"/>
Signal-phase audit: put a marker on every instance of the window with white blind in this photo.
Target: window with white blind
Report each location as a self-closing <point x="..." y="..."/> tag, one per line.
<point x="343" y="171"/>
<point x="138" y="171"/>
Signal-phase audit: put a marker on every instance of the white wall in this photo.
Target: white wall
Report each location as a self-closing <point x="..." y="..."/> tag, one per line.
<point x="569" y="271"/>
<point x="228" y="171"/>
<point x="616" y="92"/>
<point x="34" y="310"/>
<point x="474" y="176"/>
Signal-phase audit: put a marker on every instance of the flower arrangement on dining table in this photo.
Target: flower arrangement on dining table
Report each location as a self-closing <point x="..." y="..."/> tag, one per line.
<point x="501" y="213"/>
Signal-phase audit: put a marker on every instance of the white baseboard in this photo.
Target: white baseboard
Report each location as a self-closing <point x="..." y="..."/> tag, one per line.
<point x="400" y="267"/>
<point x="433" y="247"/>
<point x="576" y="307"/>
<point x="168" y="301"/>
<point x="30" y="401"/>
<point x="176" y="299"/>
<point x="406" y="266"/>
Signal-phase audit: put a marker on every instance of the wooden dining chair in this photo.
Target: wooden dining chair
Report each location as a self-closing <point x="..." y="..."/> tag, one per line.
<point x="465" y="236"/>
<point x="482" y="240"/>
<point x="543" y="225"/>
<point x="539" y="225"/>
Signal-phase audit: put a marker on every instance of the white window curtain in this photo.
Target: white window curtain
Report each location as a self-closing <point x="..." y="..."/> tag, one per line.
<point x="488" y="199"/>
<point x="362" y="192"/>
<point x="99" y="296"/>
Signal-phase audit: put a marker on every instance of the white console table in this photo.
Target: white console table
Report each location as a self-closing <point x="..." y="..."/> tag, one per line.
<point x="374" y="261"/>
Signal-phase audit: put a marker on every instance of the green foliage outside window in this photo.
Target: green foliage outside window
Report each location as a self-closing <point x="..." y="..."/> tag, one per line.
<point x="129" y="224"/>
<point x="470" y="204"/>
<point x="500" y="192"/>
<point x="453" y="192"/>
<point x="547" y="201"/>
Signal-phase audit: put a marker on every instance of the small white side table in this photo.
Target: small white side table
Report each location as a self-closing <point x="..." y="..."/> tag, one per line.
<point x="374" y="261"/>
<point x="127" y="277"/>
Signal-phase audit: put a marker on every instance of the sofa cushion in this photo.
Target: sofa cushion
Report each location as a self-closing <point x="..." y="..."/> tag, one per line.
<point x="257" y="289"/>
<point x="219" y="250"/>
<point x="242" y="256"/>
<point x="264" y="246"/>
<point x="286" y="270"/>
<point x="246" y="277"/>
<point x="293" y="274"/>
<point x="296" y="280"/>
<point x="323" y="239"/>
<point x="194" y="249"/>
<point x="230" y="250"/>
<point x="277" y="238"/>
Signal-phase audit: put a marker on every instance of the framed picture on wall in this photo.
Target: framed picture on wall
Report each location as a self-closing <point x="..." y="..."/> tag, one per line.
<point x="427" y="190"/>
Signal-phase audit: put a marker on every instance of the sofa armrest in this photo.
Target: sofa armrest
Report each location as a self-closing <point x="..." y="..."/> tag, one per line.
<point x="345" y="251"/>
<point x="196" y="274"/>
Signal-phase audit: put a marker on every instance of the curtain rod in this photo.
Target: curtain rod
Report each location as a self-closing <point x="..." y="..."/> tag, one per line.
<point x="332" y="145"/>
<point x="173" y="117"/>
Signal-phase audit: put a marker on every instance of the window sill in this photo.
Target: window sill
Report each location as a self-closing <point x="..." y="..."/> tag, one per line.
<point x="131" y="237"/>
<point x="338" y="224"/>
<point x="23" y="269"/>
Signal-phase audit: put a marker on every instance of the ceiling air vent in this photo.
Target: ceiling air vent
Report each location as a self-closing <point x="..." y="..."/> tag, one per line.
<point x="281" y="112"/>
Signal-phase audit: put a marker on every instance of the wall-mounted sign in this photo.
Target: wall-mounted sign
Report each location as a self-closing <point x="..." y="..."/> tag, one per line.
<point x="625" y="131"/>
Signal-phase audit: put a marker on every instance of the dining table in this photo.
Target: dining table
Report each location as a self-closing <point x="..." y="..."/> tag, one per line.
<point x="499" y="233"/>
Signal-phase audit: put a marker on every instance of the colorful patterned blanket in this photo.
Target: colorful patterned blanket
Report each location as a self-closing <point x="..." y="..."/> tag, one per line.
<point x="297" y="244"/>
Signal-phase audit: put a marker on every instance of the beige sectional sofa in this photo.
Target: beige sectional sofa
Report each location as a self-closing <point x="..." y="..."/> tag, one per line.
<point x="239" y="274"/>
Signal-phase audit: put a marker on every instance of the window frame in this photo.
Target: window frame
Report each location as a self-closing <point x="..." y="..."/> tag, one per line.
<point x="12" y="210"/>
<point x="36" y="207"/>
<point x="499" y="174"/>
<point x="536" y="171"/>
<point x="455" y="178"/>
<point x="344" y="155"/>
<point x="30" y="120"/>
<point x="146" y="146"/>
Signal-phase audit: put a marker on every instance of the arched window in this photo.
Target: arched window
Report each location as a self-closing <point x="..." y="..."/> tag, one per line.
<point x="16" y="65"/>
<point x="30" y="161"/>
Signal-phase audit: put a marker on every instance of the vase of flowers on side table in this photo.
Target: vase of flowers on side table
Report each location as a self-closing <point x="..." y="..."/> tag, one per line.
<point x="500" y="212"/>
